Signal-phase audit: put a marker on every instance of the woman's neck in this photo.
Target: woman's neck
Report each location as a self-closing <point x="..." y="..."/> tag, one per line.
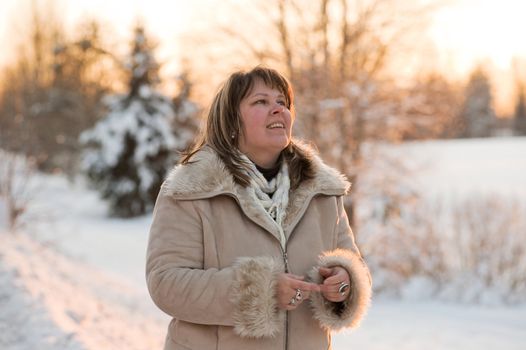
<point x="265" y="161"/>
<point x="269" y="173"/>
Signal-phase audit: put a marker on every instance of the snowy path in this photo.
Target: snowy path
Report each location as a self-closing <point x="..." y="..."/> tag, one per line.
<point x="50" y="302"/>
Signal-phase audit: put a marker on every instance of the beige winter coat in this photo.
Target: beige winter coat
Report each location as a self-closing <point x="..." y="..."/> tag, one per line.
<point x="214" y="255"/>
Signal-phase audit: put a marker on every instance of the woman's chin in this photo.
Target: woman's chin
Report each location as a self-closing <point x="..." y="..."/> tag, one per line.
<point x="279" y="143"/>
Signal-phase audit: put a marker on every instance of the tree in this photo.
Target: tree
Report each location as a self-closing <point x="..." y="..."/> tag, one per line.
<point x="520" y="112"/>
<point x="431" y="106"/>
<point x="51" y="92"/>
<point x="24" y="87"/>
<point x="337" y="54"/>
<point x="185" y="123"/>
<point x="130" y="150"/>
<point x="477" y="115"/>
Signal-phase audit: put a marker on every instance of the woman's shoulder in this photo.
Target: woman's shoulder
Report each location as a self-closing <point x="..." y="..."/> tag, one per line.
<point x="325" y="178"/>
<point x="204" y="173"/>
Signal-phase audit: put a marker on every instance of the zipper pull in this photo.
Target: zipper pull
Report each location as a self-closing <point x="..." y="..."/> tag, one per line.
<point x="286" y="259"/>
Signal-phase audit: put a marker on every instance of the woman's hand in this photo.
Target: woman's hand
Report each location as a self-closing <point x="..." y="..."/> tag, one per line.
<point x="336" y="284"/>
<point x="292" y="290"/>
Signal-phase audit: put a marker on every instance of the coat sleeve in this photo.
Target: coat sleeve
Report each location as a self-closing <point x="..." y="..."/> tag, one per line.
<point x="242" y="295"/>
<point x="349" y="313"/>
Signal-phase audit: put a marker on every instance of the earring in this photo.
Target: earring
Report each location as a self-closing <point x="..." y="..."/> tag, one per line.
<point x="233" y="135"/>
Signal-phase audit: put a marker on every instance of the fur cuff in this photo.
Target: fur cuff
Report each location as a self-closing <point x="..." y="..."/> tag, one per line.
<point x="256" y="312"/>
<point x="349" y="313"/>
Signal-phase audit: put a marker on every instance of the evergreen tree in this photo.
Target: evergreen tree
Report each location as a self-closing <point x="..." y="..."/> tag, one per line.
<point x="185" y="124"/>
<point x="520" y="112"/>
<point x="477" y="115"/>
<point x="131" y="149"/>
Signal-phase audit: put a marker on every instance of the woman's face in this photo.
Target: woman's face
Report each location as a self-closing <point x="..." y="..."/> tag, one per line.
<point x="266" y="124"/>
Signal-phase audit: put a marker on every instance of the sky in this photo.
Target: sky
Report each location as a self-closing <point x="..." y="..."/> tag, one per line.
<point x="473" y="30"/>
<point x="465" y="32"/>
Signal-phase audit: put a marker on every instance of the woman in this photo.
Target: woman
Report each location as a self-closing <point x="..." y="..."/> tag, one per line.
<point x="250" y="247"/>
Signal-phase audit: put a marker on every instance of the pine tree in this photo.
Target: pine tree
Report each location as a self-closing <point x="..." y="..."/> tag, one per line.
<point x="185" y="124"/>
<point x="131" y="149"/>
<point x="520" y="112"/>
<point x="477" y="114"/>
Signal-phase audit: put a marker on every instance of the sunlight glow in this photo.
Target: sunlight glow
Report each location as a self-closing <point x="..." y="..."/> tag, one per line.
<point x="471" y="31"/>
<point x="465" y="32"/>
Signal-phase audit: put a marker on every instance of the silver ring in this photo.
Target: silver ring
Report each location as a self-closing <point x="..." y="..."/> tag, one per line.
<point x="343" y="288"/>
<point x="299" y="295"/>
<point x="292" y="301"/>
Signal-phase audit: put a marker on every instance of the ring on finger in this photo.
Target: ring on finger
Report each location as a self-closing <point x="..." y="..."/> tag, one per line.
<point x="292" y="301"/>
<point x="299" y="295"/>
<point x="343" y="288"/>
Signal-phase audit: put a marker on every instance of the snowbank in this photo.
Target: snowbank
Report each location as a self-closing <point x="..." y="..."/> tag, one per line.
<point x="48" y="301"/>
<point x="468" y="167"/>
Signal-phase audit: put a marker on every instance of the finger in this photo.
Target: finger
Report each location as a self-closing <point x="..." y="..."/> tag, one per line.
<point x="295" y="277"/>
<point x="306" y="286"/>
<point x="286" y="303"/>
<point x="331" y="292"/>
<point x="325" y="272"/>
<point x="305" y="294"/>
<point x="291" y="307"/>
<point x="287" y="281"/>
<point x="330" y="288"/>
<point x="334" y="299"/>
<point x="291" y="303"/>
<point x="288" y="306"/>
<point x="334" y="294"/>
<point x="336" y="279"/>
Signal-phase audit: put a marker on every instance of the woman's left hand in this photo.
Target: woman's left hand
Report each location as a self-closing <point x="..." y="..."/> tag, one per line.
<point x="336" y="285"/>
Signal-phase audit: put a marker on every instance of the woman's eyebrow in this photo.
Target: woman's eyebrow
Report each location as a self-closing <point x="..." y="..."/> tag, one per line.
<point x="265" y="94"/>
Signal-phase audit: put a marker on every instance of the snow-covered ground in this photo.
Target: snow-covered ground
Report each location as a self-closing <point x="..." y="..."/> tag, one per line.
<point x="80" y="284"/>
<point x="469" y="166"/>
<point x="48" y="301"/>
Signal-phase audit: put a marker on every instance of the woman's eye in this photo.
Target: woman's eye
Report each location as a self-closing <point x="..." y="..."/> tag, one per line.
<point x="261" y="101"/>
<point x="283" y="103"/>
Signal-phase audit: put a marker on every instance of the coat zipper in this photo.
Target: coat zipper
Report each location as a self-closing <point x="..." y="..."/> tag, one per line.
<point x="286" y="262"/>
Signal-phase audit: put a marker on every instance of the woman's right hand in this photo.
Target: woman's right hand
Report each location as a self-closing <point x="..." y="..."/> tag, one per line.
<point x="292" y="290"/>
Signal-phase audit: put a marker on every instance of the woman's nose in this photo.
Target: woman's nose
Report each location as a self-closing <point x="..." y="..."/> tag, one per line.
<point x="278" y="108"/>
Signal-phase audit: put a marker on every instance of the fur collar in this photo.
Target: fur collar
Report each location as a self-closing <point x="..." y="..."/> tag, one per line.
<point x="206" y="176"/>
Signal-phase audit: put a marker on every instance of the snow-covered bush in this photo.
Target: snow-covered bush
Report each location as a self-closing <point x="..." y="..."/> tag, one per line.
<point x="469" y="250"/>
<point x="487" y="248"/>
<point x="16" y="174"/>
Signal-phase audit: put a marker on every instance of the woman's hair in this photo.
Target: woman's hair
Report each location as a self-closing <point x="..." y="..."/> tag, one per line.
<point x="224" y="125"/>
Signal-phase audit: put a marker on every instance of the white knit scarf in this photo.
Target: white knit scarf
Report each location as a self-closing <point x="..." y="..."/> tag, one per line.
<point x="276" y="205"/>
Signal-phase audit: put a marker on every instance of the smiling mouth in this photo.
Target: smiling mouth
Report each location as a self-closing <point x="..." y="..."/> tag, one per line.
<point x="276" y="126"/>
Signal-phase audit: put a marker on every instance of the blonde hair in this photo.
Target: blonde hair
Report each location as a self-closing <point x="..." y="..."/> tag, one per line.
<point x="223" y="125"/>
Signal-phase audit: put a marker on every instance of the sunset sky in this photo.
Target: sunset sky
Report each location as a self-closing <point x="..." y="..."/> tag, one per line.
<point x="465" y="32"/>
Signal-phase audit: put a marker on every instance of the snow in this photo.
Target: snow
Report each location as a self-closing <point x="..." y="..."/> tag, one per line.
<point x="50" y="302"/>
<point x="467" y="167"/>
<point x="450" y="211"/>
<point x="75" y="278"/>
<point x="416" y="325"/>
